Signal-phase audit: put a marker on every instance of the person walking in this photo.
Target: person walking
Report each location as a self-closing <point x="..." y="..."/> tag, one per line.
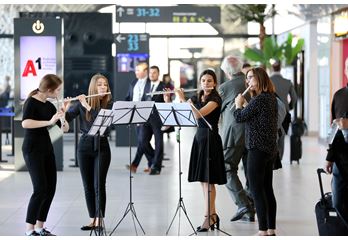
<point x="337" y="156"/>
<point x="232" y="134"/>
<point x="285" y="90"/>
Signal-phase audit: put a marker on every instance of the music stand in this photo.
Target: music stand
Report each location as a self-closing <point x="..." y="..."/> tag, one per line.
<point x="128" y="113"/>
<point x="181" y="115"/>
<point x="100" y="124"/>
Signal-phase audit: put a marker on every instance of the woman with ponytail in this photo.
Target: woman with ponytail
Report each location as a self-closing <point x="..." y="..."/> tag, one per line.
<point x="38" y="115"/>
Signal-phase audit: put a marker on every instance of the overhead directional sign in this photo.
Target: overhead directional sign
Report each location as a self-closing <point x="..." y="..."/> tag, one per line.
<point x="173" y="14"/>
<point x="132" y="42"/>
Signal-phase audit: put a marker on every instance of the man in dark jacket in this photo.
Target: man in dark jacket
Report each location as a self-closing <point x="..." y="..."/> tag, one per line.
<point x="337" y="157"/>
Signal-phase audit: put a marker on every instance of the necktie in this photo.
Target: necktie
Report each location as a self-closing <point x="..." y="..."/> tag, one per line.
<point x="153" y="85"/>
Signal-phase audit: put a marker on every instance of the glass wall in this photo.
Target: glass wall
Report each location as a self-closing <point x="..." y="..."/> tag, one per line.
<point x="324" y="44"/>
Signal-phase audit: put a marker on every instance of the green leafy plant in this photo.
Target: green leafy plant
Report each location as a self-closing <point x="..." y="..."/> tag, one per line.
<point x="272" y="51"/>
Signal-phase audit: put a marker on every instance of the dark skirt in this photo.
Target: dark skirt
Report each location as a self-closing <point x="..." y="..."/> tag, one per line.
<point x="198" y="169"/>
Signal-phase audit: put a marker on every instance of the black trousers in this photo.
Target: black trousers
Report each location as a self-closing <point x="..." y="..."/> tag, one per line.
<point x="260" y="174"/>
<point x="43" y="173"/>
<point x="88" y="162"/>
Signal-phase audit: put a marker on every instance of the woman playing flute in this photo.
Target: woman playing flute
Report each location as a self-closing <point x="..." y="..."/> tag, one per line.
<point x="38" y="114"/>
<point x="87" y="110"/>
<point x="208" y="103"/>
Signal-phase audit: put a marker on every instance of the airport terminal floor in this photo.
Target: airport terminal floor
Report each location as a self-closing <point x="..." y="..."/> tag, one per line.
<point x="156" y="197"/>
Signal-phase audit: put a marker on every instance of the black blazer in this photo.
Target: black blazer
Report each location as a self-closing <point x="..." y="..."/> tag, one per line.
<point x="159" y="97"/>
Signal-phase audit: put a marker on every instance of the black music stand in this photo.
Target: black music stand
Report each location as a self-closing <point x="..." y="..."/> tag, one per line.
<point x="181" y="115"/>
<point x="100" y="124"/>
<point x="128" y="113"/>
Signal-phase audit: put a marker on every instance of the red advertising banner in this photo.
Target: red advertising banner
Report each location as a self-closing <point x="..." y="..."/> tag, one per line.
<point x="345" y="62"/>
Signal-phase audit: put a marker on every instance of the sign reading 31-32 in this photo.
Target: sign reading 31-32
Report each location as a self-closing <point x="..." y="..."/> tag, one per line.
<point x="173" y="14"/>
<point x="132" y="42"/>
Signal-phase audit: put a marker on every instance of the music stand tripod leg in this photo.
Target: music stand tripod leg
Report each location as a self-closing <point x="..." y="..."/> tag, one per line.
<point x="181" y="204"/>
<point x="130" y="206"/>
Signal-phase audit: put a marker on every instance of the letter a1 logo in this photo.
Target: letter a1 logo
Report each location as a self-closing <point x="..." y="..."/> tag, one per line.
<point x="29" y="68"/>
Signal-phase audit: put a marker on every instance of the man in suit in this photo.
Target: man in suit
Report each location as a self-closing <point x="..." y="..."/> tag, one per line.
<point x="232" y="134"/>
<point x="137" y="92"/>
<point x="154" y="124"/>
<point x="284" y="88"/>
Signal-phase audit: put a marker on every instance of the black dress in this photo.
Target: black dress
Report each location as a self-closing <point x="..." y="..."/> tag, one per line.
<point x="198" y="169"/>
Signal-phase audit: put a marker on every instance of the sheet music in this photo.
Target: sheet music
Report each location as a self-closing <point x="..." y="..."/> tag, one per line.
<point x="181" y="116"/>
<point x="102" y="121"/>
<point x="126" y="112"/>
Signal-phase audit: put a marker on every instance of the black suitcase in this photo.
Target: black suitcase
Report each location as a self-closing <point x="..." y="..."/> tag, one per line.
<point x="329" y="223"/>
<point x="295" y="148"/>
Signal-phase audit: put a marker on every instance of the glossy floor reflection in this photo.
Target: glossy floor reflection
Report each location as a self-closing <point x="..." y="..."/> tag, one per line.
<point x="156" y="197"/>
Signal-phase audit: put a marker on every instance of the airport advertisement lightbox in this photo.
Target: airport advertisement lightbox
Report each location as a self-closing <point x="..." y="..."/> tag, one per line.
<point x="37" y="58"/>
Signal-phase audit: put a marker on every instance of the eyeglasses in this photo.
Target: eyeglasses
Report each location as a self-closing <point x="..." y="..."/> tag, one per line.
<point x="249" y="77"/>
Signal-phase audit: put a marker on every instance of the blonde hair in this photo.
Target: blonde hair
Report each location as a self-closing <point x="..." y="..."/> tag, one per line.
<point x="95" y="102"/>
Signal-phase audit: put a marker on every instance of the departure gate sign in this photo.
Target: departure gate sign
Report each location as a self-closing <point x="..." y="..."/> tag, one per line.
<point x="173" y="14"/>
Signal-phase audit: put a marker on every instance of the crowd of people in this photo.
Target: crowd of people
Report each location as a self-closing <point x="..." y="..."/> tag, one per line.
<point x="253" y="127"/>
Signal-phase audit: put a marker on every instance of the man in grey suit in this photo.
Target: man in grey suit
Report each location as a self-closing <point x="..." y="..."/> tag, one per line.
<point x="233" y="137"/>
<point x="284" y="88"/>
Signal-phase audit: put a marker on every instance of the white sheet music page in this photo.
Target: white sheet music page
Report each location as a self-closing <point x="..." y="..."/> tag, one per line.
<point x="102" y="121"/>
<point x="176" y="114"/>
<point x="126" y="112"/>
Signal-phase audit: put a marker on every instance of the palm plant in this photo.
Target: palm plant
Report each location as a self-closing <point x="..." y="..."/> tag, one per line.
<point x="273" y="51"/>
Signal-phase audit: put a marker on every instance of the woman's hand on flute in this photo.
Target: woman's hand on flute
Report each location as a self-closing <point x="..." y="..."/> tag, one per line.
<point x="56" y="117"/>
<point x="167" y="96"/>
<point x="180" y="93"/>
<point x="83" y="101"/>
<point x="239" y="100"/>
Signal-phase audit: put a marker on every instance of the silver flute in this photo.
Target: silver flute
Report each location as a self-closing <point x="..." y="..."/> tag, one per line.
<point x="76" y="98"/>
<point x="243" y="94"/>
<point x="173" y="91"/>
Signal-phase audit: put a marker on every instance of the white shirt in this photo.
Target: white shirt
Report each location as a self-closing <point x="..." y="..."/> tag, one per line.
<point x="138" y="90"/>
<point x="155" y="85"/>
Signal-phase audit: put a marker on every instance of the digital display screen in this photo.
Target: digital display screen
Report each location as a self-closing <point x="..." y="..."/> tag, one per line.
<point x="126" y="62"/>
<point x="37" y="58"/>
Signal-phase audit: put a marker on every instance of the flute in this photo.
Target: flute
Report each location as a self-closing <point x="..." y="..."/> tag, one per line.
<point x="76" y="98"/>
<point x="173" y="91"/>
<point x="243" y="94"/>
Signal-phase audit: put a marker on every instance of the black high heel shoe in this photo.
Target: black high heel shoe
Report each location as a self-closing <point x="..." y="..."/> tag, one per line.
<point x="216" y="221"/>
<point x="212" y="226"/>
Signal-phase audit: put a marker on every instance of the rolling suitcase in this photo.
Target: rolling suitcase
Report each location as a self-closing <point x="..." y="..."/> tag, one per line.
<point x="329" y="223"/>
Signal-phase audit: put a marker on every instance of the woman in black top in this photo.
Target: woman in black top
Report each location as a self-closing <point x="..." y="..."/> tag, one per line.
<point x="260" y="117"/>
<point x="38" y="115"/>
<point x="87" y="110"/>
<point x="208" y="104"/>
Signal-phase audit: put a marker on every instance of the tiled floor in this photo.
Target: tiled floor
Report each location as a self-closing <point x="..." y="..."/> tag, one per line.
<point x="156" y="197"/>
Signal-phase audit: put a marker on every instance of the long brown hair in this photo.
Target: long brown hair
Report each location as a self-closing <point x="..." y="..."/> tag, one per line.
<point x="264" y="82"/>
<point x="95" y="102"/>
<point x="48" y="82"/>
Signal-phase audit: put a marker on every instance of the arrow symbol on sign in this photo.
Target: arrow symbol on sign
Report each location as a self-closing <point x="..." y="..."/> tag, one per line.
<point x="120" y="11"/>
<point x="119" y="38"/>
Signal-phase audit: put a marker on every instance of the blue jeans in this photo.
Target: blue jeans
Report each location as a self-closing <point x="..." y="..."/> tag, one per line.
<point x="340" y="194"/>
